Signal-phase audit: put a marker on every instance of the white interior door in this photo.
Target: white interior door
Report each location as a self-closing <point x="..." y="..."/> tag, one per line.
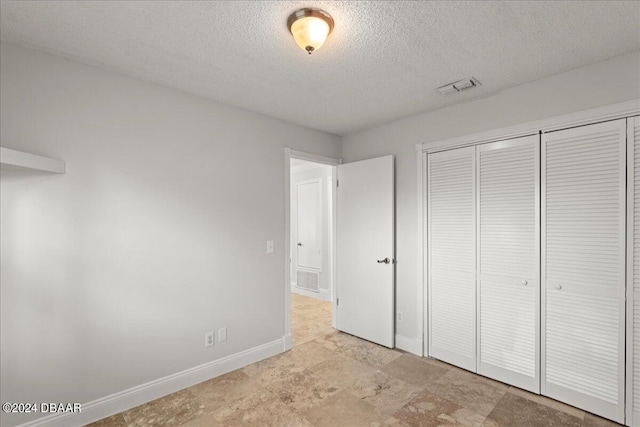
<point x="309" y="224"/>
<point x="583" y="268"/>
<point x="509" y="261"/>
<point x="451" y="256"/>
<point x="365" y="250"/>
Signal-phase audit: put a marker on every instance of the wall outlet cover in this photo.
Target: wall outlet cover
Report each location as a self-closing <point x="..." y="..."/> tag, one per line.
<point x="209" y="339"/>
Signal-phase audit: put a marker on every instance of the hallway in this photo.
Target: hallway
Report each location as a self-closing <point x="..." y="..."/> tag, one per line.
<point x="310" y="319"/>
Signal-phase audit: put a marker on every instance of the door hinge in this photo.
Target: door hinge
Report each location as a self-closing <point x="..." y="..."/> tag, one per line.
<point x="337" y="183"/>
<point x="337" y="301"/>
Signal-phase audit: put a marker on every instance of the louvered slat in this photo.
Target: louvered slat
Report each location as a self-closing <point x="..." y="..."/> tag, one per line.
<point x="508" y="254"/>
<point x="451" y="256"/>
<point x="580" y="357"/>
<point x="583" y="184"/>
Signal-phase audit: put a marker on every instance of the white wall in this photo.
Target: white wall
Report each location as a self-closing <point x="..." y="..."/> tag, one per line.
<point x="604" y="83"/>
<point x="323" y="173"/>
<point x="113" y="272"/>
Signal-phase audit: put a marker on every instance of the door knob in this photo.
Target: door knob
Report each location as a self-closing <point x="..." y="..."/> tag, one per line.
<point x="524" y="283"/>
<point x="385" y="261"/>
<point x="299" y="244"/>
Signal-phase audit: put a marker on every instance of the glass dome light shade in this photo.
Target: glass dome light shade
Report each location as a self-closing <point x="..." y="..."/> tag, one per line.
<point x="310" y="28"/>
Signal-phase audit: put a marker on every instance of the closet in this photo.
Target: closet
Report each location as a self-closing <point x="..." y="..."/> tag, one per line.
<point x="532" y="256"/>
<point x="452" y="256"/>
<point x="583" y="267"/>
<point x="508" y="261"/>
<point x="483" y="213"/>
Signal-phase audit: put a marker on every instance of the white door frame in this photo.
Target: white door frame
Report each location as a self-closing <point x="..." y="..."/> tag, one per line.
<point x="631" y="417"/>
<point x="301" y="155"/>
<point x="609" y="112"/>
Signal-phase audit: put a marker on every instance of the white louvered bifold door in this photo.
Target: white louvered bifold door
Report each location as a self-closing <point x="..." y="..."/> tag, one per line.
<point x="509" y="261"/>
<point x="583" y="267"/>
<point x="633" y="271"/>
<point x="451" y="256"/>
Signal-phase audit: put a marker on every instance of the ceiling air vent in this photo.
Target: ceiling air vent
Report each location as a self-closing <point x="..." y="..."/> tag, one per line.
<point x="458" y="86"/>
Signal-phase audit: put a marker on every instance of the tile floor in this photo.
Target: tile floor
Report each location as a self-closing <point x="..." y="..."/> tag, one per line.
<point x="333" y="379"/>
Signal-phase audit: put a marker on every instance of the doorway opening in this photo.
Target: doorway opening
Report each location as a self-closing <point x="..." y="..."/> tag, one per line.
<point x="310" y="240"/>
<point x="310" y="249"/>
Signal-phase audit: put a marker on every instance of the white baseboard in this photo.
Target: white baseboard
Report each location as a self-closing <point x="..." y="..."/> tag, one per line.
<point x="127" y="399"/>
<point x="411" y="345"/>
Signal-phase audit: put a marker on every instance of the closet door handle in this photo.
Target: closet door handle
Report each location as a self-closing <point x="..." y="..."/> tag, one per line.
<point x="525" y="283"/>
<point x="558" y="287"/>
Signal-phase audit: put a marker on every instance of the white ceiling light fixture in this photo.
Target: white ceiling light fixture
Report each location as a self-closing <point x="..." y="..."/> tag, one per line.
<point x="310" y="28"/>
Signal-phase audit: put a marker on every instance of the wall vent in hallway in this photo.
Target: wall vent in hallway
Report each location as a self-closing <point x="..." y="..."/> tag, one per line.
<point x="308" y="280"/>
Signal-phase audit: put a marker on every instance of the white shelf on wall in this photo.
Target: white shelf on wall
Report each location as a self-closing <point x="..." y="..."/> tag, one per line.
<point x="18" y="159"/>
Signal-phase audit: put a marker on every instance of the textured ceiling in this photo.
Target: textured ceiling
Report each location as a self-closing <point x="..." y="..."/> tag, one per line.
<point x="382" y="62"/>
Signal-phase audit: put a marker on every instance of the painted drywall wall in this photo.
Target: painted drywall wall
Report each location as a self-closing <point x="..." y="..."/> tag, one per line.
<point x="322" y="173"/>
<point x="604" y="83"/>
<point x="113" y="272"/>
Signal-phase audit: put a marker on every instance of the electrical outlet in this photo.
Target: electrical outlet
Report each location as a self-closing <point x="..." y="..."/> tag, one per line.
<point x="399" y="316"/>
<point x="209" y="339"/>
<point x="270" y="246"/>
<point x="222" y="334"/>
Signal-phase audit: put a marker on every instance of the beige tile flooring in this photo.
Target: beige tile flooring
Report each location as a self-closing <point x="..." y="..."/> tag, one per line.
<point x="333" y="379"/>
